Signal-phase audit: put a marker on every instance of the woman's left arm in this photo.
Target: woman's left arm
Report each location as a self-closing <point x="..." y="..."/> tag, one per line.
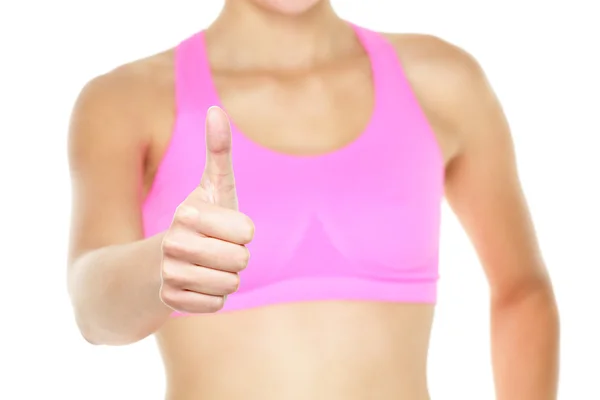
<point x="483" y="189"/>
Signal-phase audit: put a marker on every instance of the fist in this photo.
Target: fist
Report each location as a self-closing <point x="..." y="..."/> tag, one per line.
<point x="204" y="248"/>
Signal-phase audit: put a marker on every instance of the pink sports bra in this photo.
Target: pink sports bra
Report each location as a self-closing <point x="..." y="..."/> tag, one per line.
<point x="359" y="223"/>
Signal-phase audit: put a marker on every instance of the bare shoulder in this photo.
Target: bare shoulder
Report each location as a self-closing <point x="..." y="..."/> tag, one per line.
<point x="430" y="58"/>
<point x="432" y="49"/>
<point x="125" y="108"/>
<point x="138" y="77"/>
<point x="129" y="91"/>
<point x="447" y="80"/>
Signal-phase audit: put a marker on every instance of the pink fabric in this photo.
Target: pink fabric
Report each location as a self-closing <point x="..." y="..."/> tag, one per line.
<point x="359" y="223"/>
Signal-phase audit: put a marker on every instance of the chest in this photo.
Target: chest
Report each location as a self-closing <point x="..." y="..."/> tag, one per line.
<point x="328" y="164"/>
<point x="302" y="114"/>
<point x="373" y="198"/>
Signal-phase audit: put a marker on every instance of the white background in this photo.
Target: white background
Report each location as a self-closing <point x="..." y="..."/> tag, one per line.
<point x="542" y="60"/>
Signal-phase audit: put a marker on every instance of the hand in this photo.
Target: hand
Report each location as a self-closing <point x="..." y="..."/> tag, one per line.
<point x="204" y="248"/>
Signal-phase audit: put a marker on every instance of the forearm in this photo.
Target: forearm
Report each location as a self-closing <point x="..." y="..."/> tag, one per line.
<point x="525" y="345"/>
<point x="115" y="292"/>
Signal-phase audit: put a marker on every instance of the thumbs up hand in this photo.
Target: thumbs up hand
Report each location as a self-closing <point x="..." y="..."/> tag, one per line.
<point x="204" y="248"/>
<point x="217" y="180"/>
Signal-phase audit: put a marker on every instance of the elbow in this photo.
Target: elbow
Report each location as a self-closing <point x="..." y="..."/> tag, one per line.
<point x="90" y="334"/>
<point x="103" y="336"/>
<point x="98" y="328"/>
<point x="98" y="325"/>
<point x="534" y="293"/>
<point x="530" y="311"/>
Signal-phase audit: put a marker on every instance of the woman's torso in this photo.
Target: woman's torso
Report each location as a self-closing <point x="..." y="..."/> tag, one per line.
<point x="299" y="350"/>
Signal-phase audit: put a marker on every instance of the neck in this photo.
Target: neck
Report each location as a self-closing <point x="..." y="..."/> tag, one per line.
<point x="245" y="36"/>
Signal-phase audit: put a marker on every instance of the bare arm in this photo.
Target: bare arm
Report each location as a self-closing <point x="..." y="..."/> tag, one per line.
<point x="483" y="189"/>
<point x="113" y="274"/>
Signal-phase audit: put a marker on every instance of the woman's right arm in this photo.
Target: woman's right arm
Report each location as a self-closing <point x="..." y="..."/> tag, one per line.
<point x="114" y="275"/>
<point x="123" y="287"/>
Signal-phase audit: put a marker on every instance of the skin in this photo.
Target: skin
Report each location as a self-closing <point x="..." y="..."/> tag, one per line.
<point x="123" y="286"/>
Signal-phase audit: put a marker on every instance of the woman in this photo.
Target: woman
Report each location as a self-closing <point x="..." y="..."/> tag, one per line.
<point x="343" y="141"/>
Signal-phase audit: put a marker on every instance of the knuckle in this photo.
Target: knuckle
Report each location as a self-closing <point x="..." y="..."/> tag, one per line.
<point x="169" y="274"/>
<point x="186" y="215"/>
<point x="168" y="244"/>
<point x="168" y="297"/>
<point x="172" y="247"/>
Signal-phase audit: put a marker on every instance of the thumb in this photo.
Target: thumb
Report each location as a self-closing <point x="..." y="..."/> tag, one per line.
<point x="218" y="178"/>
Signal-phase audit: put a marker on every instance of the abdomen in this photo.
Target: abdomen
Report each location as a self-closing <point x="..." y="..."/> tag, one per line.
<point x="310" y="350"/>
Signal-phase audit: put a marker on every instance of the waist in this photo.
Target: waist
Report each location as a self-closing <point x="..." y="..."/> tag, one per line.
<point x="319" y="350"/>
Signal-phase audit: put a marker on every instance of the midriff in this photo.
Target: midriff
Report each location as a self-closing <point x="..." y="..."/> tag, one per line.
<point x="330" y="350"/>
